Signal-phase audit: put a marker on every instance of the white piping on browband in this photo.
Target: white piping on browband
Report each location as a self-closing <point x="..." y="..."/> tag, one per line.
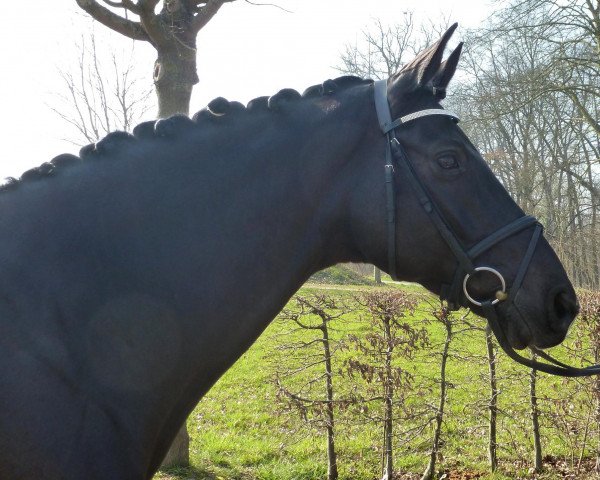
<point x="424" y="113"/>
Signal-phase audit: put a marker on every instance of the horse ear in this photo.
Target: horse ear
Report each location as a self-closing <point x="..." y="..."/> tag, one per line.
<point x="446" y="72"/>
<point x="421" y="71"/>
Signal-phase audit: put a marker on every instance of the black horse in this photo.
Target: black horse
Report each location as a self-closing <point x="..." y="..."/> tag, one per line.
<point x="134" y="275"/>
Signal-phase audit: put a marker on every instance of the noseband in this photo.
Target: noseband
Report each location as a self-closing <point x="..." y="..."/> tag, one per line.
<point x="457" y="292"/>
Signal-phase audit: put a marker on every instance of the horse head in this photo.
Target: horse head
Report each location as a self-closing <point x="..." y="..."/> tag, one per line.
<point x="439" y="216"/>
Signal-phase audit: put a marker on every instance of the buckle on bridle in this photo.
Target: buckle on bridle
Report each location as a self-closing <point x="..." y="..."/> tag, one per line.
<point x="500" y="294"/>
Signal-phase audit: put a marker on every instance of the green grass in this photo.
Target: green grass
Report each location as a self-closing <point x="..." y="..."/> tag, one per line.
<point x="239" y="430"/>
<point x="340" y="275"/>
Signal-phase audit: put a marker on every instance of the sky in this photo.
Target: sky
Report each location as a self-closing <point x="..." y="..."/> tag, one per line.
<point x="244" y="52"/>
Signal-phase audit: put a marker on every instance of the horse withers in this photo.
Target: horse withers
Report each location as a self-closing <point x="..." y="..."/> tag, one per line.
<point x="135" y="275"/>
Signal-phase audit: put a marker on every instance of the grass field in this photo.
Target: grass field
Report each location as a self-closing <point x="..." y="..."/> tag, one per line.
<point x="240" y="431"/>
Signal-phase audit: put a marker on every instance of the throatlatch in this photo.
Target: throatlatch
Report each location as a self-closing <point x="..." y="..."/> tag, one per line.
<point x="457" y="292"/>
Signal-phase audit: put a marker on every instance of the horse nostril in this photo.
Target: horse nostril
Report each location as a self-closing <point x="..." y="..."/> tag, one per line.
<point x="564" y="307"/>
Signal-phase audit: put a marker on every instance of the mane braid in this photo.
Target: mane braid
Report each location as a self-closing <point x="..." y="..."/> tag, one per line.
<point x="179" y="125"/>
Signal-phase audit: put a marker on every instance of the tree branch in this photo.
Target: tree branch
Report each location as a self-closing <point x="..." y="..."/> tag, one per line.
<point x="595" y="191"/>
<point x="269" y="5"/>
<point x="147" y="6"/>
<point x="113" y="21"/>
<point x="126" y="4"/>
<point x="206" y="13"/>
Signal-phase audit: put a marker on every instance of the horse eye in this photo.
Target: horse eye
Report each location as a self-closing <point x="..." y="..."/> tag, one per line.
<point x="448" y="161"/>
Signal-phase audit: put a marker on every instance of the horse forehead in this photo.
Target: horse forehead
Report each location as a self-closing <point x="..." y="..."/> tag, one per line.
<point x="433" y="131"/>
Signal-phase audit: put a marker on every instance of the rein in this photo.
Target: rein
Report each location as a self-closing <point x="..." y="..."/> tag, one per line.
<point x="396" y="158"/>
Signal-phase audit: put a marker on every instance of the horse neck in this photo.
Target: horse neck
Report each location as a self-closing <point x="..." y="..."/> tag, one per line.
<point x="250" y="209"/>
<point x="186" y="248"/>
<point x="284" y="201"/>
<point x="269" y="218"/>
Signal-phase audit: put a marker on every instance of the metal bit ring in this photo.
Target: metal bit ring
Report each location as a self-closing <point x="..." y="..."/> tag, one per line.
<point x="484" y="269"/>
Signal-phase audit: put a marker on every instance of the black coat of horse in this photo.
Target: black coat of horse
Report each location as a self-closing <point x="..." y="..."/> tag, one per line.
<point x="132" y="277"/>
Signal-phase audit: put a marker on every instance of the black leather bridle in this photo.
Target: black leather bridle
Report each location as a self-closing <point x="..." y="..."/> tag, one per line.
<point x="396" y="158"/>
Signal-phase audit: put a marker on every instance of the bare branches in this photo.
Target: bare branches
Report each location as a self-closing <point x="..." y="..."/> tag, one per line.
<point x="98" y="101"/>
<point x="172" y="32"/>
<point x="569" y="37"/>
<point x="384" y="49"/>
<point x="322" y="307"/>
<point x="113" y="21"/>
<point x="201" y="13"/>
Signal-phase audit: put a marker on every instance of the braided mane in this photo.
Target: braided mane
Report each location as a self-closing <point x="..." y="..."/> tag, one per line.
<point x="178" y="125"/>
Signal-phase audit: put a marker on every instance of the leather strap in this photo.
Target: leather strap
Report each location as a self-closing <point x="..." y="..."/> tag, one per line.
<point x="501" y="234"/>
<point x="421" y="113"/>
<point x="430" y="208"/>
<point x="391" y="217"/>
<point x="453" y="292"/>
<point x="516" y="286"/>
<point x="385" y="119"/>
<point x="557" y="367"/>
<point x="384" y="116"/>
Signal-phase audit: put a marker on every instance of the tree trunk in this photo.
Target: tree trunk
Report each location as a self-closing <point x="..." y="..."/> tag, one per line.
<point x="388" y="471"/>
<point x="439" y="416"/>
<point x="174" y="78"/>
<point x="332" y="469"/>
<point x="597" y="415"/>
<point x="493" y="405"/>
<point x="535" y="413"/>
<point x="377" y="275"/>
<point x="178" y="455"/>
<point x="597" y="464"/>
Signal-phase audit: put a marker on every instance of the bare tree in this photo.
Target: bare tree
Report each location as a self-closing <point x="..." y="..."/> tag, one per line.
<point x="103" y="93"/>
<point x="390" y="337"/>
<point x="492" y="356"/>
<point x="383" y="49"/>
<point x="314" y="313"/>
<point x="570" y="32"/>
<point x="171" y="31"/>
<point x="377" y="276"/>
<point x="535" y="420"/>
<point x="588" y="342"/>
<point x="443" y="315"/>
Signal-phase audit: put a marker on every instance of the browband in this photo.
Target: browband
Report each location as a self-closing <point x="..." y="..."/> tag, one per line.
<point x="383" y="111"/>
